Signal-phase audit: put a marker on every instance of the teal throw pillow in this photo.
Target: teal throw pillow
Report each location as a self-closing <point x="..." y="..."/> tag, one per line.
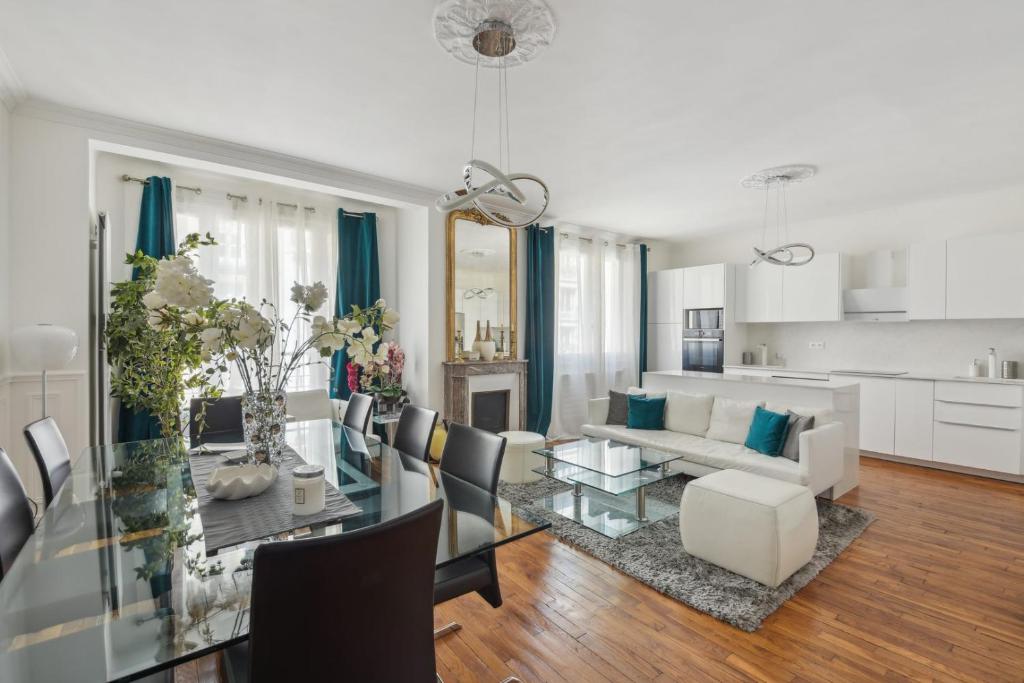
<point x="767" y="432"/>
<point x="646" y="413"/>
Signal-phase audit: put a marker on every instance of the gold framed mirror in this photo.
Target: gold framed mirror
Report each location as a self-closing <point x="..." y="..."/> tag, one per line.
<point x="480" y="284"/>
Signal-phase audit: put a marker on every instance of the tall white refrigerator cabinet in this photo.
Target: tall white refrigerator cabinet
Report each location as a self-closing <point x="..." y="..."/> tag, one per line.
<point x="665" y="320"/>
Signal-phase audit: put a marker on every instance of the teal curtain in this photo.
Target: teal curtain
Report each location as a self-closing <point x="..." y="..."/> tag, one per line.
<point x="156" y="239"/>
<point x="358" y="280"/>
<point x="540" y="326"/>
<point x="643" y="314"/>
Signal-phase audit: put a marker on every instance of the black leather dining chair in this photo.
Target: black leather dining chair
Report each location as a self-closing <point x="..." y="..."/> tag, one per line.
<point x="221" y="423"/>
<point x="381" y="580"/>
<point x="16" y="515"/>
<point x="415" y="430"/>
<point x="474" y="456"/>
<point x="51" y="454"/>
<point x="358" y="412"/>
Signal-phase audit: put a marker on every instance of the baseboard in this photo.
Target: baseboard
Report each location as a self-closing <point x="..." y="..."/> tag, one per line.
<point x="946" y="467"/>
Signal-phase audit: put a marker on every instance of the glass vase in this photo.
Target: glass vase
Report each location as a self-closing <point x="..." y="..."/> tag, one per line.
<point x="263" y="423"/>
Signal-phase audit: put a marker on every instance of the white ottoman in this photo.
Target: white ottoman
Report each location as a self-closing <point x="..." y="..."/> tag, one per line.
<point x="762" y="528"/>
<point x="519" y="456"/>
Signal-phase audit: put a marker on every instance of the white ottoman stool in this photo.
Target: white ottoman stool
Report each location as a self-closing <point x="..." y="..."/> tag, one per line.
<point x="519" y="456"/>
<point x="762" y="528"/>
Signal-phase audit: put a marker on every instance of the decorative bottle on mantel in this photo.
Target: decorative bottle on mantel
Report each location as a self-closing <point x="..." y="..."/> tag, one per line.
<point x="477" y="341"/>
<point x="487" y="346"/>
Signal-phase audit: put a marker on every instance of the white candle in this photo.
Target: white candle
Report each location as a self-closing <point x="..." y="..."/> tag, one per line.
<point x="308" y="482"/>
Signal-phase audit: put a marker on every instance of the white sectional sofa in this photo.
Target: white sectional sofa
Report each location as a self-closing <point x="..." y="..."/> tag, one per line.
<point x="821" y="448"/>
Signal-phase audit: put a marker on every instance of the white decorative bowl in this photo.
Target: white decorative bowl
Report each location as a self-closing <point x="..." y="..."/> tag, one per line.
<point x="235" y="482"/>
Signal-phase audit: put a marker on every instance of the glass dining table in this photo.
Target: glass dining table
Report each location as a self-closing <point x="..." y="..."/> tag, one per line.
<point x="116" y="584"/>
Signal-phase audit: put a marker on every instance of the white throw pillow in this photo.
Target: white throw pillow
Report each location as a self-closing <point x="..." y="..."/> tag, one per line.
<point x="730" y="419"/>
<point x="822" y="416"/>
<point x="688" y="413"/>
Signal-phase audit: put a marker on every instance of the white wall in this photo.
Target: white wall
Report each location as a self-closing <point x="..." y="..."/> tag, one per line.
<point x="52" y="154"/>
<point x="5" y="146"/>
<point x="944" y="347"/>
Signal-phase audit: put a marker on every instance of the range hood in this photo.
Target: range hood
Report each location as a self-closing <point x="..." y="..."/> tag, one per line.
<point x="875" y="304"/>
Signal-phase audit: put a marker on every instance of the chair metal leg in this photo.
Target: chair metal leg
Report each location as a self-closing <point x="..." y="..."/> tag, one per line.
<point x="446" y="629"/>
<point x="511" y="679"/>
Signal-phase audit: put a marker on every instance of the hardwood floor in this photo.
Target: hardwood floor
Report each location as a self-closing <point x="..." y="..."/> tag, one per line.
<point x="933" y="590"/>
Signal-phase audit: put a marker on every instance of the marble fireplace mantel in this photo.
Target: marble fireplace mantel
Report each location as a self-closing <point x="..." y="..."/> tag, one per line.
<point x="462" y="378"/>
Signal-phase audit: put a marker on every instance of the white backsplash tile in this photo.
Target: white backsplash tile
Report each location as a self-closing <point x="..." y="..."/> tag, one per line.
<point x="926" y="346"/>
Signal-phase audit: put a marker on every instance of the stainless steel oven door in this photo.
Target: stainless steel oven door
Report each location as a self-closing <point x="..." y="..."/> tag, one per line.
<point x="703" y="354"/>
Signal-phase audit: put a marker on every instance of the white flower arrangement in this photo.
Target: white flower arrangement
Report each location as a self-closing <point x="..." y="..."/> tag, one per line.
<point x="255" y="338"/>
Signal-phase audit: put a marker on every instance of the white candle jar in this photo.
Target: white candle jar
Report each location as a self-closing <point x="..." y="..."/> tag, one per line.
<point x="308" y="484"/>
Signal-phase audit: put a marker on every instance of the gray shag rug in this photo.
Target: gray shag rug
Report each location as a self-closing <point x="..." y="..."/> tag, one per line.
<point x="654" y="555"/>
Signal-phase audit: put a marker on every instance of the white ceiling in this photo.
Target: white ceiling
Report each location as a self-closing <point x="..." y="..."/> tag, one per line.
<point x="642" y="116"/>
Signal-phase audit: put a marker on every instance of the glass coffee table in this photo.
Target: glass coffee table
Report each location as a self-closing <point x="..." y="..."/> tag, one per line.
<point x="609" y="484"/>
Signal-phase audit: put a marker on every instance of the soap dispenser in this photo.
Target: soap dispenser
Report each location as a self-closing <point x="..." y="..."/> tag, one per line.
<point x="993" y="363"/>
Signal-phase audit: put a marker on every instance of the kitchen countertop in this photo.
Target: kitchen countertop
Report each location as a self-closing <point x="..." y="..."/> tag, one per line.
<point x="757" y="379"/>
<point x="937" y="377"/>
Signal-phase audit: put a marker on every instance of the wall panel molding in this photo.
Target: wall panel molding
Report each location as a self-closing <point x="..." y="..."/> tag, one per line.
<point x="21" y="403"/>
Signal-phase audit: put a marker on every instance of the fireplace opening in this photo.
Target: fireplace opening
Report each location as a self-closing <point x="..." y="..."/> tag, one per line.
<point x="490" y="410"/>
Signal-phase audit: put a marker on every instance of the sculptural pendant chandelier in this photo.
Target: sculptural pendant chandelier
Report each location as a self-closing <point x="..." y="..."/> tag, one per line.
<point x="774" y="182"/>
<point x="495" y="34"/>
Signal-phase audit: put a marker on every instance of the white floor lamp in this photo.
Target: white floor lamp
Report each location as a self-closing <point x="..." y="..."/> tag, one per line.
<point x="44" y="347"/>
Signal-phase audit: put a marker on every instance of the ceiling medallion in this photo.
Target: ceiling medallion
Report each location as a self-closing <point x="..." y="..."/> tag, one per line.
<point x="777" y="178"/>
<point x="496" y="34"/>
<point x="460" y="27"/>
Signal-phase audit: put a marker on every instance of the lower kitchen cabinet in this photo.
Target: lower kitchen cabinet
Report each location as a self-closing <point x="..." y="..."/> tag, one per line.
<point x="878" y="414"/>
<point x="915" y="401"/>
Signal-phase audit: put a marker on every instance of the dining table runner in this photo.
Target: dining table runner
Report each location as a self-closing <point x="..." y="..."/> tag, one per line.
<point x="231" y="522"/>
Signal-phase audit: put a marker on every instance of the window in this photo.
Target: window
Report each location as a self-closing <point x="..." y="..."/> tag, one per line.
<point x="262" y="249"/>
<point x="598" y="316"/>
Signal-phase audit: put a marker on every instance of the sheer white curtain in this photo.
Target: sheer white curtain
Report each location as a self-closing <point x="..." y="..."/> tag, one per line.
<point x="262" y="249"/>
<point x="597" y="309"/>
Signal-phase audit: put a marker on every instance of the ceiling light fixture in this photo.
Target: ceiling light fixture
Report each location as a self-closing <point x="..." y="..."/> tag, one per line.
<point x="495" y="34"/>
<point x="786" y="253"/>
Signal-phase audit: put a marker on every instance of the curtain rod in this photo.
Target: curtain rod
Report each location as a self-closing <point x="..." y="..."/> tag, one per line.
<point x="142" y="181"/>
<point x="286" y="205"/>
<point x="567" y="235"/>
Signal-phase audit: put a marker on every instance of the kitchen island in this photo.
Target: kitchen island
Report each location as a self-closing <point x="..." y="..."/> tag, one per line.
<point x="840" y="395"/>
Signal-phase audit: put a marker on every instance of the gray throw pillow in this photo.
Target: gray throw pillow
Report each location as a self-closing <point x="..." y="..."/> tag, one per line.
<point x="618" y="408"/>
<point x="797" y="425"/>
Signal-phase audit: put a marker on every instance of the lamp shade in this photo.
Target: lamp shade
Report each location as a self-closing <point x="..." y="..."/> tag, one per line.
<point x="43" y="347"/>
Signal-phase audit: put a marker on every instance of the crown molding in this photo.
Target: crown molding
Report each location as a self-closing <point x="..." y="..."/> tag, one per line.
<point x="112" y="130"/>
<point x="12" y="92"/>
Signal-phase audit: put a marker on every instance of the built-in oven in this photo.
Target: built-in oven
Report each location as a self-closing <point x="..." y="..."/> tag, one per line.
<point x="704" y="340"/>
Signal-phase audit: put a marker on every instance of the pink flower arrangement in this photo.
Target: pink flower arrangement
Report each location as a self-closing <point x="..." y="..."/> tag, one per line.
<point x="396" y="363"/>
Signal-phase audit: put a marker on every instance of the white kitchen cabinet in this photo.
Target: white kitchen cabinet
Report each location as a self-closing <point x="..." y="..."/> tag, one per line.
<point x="914" y="401"/>
<point x="812" y="292"/>
<point x="979" y="425"/>
<point x="984" y="448"/>
<point x="878" y="414"/>
<point x="758" y="293"/>
<point x="664" y="346"/>
<point x="704" y="286"/>
<point x="926" y="281"/>
<point x="984" y="277"/>
<point x="665" y="296"/>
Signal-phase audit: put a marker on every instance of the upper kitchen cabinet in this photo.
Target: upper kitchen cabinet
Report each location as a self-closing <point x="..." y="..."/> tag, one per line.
<point x="704" y="286"/>
<point x="984" y="277"/>
<point x="758" y="293"/>
<point x="926" y="281"/>
<point x="665" y="296"/>
<point x="812" y="292"/>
